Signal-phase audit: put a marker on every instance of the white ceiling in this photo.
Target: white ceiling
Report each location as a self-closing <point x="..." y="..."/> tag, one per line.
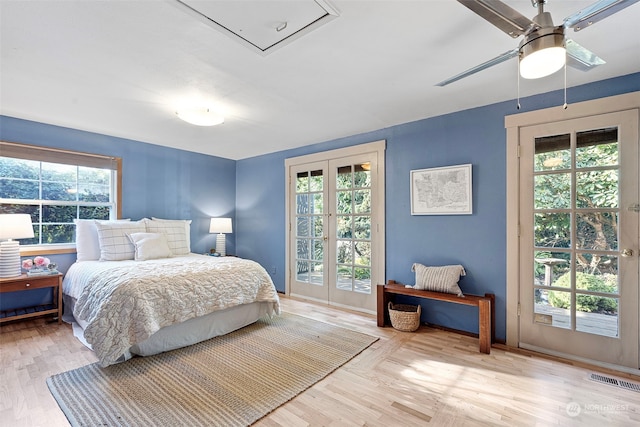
<point x="120" y="67"/>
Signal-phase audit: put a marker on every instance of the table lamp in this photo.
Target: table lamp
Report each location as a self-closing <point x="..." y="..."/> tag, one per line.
<point x="221" y="226"/>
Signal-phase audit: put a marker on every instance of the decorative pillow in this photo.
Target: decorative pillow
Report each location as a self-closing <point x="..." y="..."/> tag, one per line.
<point x="150" y="246"/>
<point x="87" y="243"/>
<point x="115" y="244"/>
<point x="439" y="279"/>
<point x="178" y="232"/>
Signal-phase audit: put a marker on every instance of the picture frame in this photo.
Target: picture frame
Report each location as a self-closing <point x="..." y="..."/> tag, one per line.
<point x="442" y="191"/>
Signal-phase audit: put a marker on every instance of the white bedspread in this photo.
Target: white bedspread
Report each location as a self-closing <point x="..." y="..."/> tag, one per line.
<point x="125" y="302"/>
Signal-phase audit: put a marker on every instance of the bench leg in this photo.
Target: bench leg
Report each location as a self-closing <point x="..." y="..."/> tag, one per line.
<point x="382" y="305"/>
<point x="484" y="321"/>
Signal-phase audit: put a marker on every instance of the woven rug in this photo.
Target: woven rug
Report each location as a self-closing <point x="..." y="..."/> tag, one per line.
<point x="232" y="380"/>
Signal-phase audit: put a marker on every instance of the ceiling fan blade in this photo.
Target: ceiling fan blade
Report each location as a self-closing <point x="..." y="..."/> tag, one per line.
<point x="490" y="63"/>
<point x="502" y="16"/>
<point x="581" y="58"/>
<point x="596" y="12"/>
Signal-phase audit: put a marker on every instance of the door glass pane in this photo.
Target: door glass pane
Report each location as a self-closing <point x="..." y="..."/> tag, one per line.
<point x="362" y="227"/>
<point x="549" y="266"/>
<point x="597" y="315"/>
<point x="552" y="152"/>
<point x="344" y="227"/>
<point x="603" y="267"/>
<point x="343" y="177"/>
<point x="552" y="191"/>
<point x="597" y="189"/>
<point x="597" y="148"/>
<point x="344" y="279"/>
<point x="552" y="230"/>
<point x="362" y="201"/>
<point x="343" y="199"/>
<point x="553" y="308"/>
<point x="597" y="231"/>
<point x="309" y="227"/>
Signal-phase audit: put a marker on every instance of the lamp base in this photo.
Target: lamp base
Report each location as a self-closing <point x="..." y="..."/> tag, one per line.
<point x="221" y="242"/>
<point x="10" y="259"/>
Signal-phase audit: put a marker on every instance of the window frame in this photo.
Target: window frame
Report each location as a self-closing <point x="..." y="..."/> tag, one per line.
<point x="66" y="157"/>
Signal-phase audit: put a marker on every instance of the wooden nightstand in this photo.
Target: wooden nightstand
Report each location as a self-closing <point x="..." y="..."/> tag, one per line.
<point x="27" y="283"/>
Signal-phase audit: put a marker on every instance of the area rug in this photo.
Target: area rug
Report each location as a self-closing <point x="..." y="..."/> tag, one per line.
<point x="232" y="380"/>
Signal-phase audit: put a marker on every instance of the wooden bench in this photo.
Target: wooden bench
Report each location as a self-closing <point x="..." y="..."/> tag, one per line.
<point x="485" y="304"/>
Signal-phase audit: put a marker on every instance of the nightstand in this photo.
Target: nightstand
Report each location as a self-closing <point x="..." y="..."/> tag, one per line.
<point x="28" y="283"/>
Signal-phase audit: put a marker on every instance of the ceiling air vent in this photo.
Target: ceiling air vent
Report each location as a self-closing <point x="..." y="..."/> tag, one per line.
<point x="263" y="26"/>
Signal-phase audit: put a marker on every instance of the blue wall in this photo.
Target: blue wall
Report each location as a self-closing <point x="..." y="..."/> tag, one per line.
<point x="171" y="183"/>
<point x="477" y="241"/>
<point x="157" y="181"/>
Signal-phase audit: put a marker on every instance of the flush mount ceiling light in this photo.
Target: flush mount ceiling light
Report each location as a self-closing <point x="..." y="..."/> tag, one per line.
<point x="200" y="116"/>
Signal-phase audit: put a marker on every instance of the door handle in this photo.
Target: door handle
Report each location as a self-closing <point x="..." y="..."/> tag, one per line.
<point x="626" y="252"/>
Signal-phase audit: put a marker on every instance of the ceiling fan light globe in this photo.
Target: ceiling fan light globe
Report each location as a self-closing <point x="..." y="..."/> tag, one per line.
<point x="543" y="62"/>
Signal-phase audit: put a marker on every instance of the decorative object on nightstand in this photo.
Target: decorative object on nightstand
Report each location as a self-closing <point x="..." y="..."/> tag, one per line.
<point x="13" y="226"/>
<point x="221" y="226"/>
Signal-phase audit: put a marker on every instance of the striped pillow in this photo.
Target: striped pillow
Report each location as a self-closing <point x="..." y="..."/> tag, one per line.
<point x="439" y="279"/>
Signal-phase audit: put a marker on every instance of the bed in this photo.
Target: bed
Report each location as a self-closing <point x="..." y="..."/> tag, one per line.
<point x="161" y="299"/>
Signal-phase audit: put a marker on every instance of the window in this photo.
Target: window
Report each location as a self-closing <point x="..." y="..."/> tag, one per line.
<point x="56" y="187"/>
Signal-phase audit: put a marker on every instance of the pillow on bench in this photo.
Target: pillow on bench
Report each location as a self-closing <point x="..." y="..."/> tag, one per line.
<point x="438" y="279"/>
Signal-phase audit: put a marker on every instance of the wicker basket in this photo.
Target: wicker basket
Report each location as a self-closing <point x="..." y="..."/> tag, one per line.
<point x="404" y="317"/>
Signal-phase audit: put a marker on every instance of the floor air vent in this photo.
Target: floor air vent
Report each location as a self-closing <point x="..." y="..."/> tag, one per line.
<point x="615" y="382"/>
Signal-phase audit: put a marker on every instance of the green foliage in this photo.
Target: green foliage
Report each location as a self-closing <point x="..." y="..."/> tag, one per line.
<point x="585" y="303"/>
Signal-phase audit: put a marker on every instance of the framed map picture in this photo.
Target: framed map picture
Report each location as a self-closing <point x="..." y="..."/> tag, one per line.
<point x="441" y="191"/>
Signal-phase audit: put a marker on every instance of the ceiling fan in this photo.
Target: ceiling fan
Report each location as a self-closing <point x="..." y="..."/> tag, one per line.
<point x="544" y="48"/>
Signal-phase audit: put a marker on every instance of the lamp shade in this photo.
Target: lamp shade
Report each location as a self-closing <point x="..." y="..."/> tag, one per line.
<point x="542" y="53"/>
<point x="220" y="225"/>
<point x="15" y="226"/>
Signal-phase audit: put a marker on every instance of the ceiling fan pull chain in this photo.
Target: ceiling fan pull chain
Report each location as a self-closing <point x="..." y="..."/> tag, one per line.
<point x="518" y="104"/>
<point x="565" y="86"/>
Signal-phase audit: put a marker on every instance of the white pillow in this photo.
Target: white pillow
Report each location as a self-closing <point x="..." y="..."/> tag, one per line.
<point x="150" y="246"/>
<point x="87" y="243"/>
<point x="115" y="244"/>
<point x="178" y="233"/>
<point x="439" y="279"/>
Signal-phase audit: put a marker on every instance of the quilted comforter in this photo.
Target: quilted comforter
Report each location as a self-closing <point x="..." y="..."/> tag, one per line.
<point x="124" y="303"/>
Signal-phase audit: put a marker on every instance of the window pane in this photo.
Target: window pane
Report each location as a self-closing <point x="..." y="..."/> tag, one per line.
<point x="344" y="279"/>
<point x="597" y="315"/>
<point x="94" y="176"/>
<point x="362" y="282"/>
<point x="318" y="207"/>
<point x="318" y="250"/>
<point x="59" y="191"/>
<point x="362" y="175"/>
<point x="302" y="182"/>
<point x="60" y="233"/>
<point x="93" y="193"/>
<point x="317" y="229"/>
<point x="316" y="273"/>
<point x="53" y="213"/>
<point x="345" y="252"/>
<point x="94" y="212"/>
<point x="18" y="168"/>
<point x="302" y="204"/>
<point x="57" y="172"/>
<point x="19" y="189"/>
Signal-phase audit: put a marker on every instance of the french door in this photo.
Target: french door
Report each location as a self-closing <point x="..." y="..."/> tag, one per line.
<point x="335" y="235"/>
<point x="579" y="237"/>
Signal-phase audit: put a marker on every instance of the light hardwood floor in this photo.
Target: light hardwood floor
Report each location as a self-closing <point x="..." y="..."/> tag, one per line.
<point x="425" y="378"/>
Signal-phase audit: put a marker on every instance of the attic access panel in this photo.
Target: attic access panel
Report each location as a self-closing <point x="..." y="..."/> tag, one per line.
<point x="262" y="25"/>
